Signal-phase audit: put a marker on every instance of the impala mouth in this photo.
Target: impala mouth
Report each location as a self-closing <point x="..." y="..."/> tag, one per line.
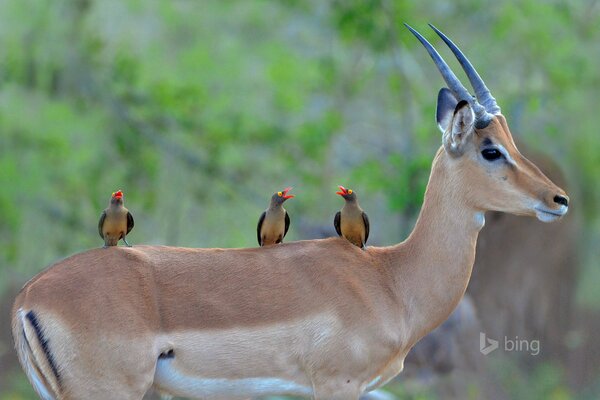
<point x="546" y="215"/>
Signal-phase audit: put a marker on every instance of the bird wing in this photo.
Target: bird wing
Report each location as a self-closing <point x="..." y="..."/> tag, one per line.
<point x="101" y="223"/>
<point x="129" y="222"/>
<point x="336" y="223"/>
<point x="367" y="227"/>
<point x="287" y="223"/>
<point x="261" y="219"/>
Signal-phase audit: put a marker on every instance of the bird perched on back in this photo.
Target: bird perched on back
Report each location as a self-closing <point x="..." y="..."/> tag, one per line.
<point x="351" y="221"/>
<point x="115" y="221"/>
<point x="274" y="222"/>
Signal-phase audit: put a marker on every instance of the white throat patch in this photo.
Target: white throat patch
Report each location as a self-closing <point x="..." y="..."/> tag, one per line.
<point x="479" y="219"/>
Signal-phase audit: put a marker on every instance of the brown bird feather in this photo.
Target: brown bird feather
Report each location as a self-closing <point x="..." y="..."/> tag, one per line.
<point x="351" y="222"/>
<point x="115" y="221"/>
<point x="274" y="222"/>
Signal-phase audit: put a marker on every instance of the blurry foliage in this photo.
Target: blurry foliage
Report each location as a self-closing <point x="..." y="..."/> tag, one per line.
<point x="544" y="381"/>
<point x="200" y="110"/>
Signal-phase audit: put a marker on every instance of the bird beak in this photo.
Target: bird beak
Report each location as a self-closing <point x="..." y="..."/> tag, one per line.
<point x="285" y="195"/>
<point x="343" y="191"/>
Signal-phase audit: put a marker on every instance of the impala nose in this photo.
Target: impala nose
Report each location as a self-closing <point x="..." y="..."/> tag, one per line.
<point x="562" y="200"/>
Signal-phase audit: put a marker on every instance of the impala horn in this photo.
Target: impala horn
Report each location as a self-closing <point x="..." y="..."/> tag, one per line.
<point x="483" y="115"/>
<point x="481" y="91"/>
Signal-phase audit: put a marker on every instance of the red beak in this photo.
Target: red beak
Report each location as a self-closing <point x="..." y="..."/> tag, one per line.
<point x="285" y="191"/>
<point x="343" y="191"/>
<point x="118" y="194"/>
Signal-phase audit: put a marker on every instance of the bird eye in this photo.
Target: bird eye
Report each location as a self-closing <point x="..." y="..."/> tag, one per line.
<point x="491" y="154"/>
<point x="349" y="191"/>
<point x="279" y="194"/>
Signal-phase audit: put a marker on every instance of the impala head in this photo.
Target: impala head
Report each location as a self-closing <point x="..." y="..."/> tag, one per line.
<point x="482" y="155"/>
<point x="116" y="198"/>
<point x="279" y="197"/>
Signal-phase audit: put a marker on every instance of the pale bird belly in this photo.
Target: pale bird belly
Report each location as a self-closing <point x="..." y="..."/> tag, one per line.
<point x="114" y="226"/>
<point x="354" y="233"/>
<point x="272" y="232"/>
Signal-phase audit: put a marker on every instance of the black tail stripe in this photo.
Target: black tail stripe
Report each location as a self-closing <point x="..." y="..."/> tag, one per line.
<point x="44" y="342"/>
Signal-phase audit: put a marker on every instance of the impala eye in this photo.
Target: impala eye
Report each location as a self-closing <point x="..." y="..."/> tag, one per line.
<point x="491" y="154"/>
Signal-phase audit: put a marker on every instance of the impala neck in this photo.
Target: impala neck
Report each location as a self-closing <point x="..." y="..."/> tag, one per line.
<point x="433" y="266"/>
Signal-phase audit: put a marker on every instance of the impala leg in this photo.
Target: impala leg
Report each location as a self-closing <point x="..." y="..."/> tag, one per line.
<point x="106" y="371"/>
<point x="112" y="386"/>
<point x="109" y="387"/>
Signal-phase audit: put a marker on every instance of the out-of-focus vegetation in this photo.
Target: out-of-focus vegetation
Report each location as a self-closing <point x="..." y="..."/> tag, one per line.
<point x="200" y="110"/>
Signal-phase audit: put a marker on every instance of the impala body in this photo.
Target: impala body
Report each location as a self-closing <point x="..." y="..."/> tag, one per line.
<point x="318" y="318"/>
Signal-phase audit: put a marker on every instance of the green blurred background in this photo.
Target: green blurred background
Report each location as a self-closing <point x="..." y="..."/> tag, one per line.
<point x="200" y="110"/>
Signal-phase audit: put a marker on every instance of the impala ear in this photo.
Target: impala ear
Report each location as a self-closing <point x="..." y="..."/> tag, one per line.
<point x="462" y="126"/>
<point x="446" y="104"/>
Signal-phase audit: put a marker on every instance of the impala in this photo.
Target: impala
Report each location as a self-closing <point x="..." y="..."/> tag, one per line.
<point x="316" y="318"/>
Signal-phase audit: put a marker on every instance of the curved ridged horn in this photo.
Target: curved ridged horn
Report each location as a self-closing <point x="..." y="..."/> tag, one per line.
<point x="481" y="91"/>
<point x="482" y="117"/>
<point x="451" y="80"/>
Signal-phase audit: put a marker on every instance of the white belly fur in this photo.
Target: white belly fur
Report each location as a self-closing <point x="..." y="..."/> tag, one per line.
<point x="173" y="381"/>
<point x="257" y="361"/>
<point x="242" y="362"/>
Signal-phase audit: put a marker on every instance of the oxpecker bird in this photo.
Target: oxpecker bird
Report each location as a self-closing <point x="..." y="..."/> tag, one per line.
<point x="115" y="222"/>
<point x="274" y="222"/>
<point x="352" y="222"/>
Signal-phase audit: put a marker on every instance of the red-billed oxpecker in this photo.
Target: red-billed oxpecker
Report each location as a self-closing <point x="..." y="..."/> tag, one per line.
<point x="115" y="222"/>
<point x="351" y="222"/>
<point x="274" y="222"/>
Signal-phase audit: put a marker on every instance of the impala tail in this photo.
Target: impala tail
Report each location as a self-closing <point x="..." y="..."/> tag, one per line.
<point x="34" y="354"/>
